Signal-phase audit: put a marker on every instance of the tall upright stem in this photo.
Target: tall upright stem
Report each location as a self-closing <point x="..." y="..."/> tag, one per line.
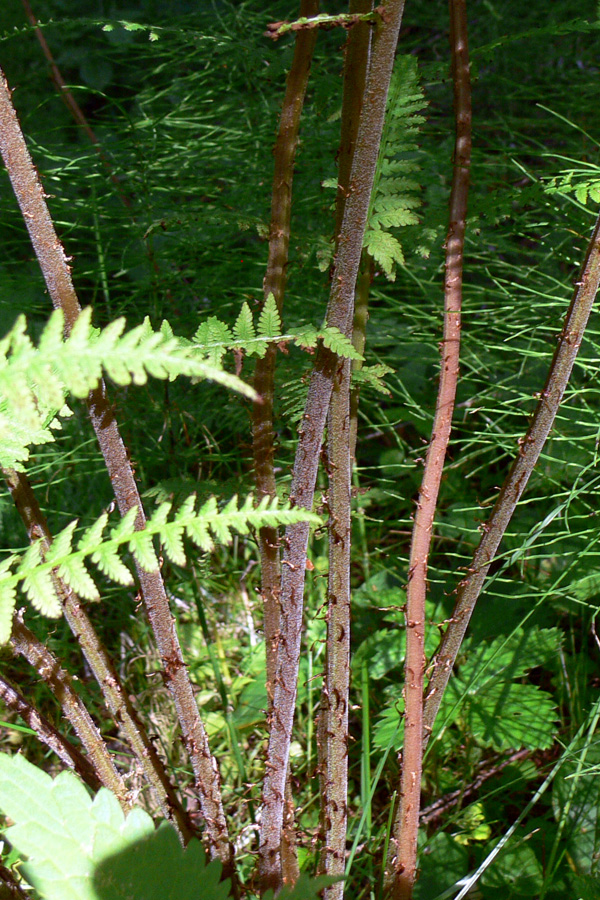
<point x="263" y="434"/>
<point x="339" y="314"/>
<point x="333" y="717"/>
<point x="403" y="847"/>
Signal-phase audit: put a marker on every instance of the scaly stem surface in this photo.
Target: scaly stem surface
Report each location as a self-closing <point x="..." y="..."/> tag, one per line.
<point x="116" y="698"/>
<point x="333" y="716"/>
<point x="403" y="848"/>
<point x="339" y="314"/>
<point x="263" y="436"/>
<point x="515" y="483"/>
<point x="57" y="276"/>
<point x="25" y="643"/>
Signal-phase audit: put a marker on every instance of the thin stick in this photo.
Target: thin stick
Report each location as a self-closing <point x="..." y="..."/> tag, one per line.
<point x="311" y="435"/>
<point x="402" y="862"/>
<point x="48" y="734"/>
<point x="25" y="643"/>
<point x="116" y="698"/>
<point x="530" y="448"/>
<point x="57" y="276"/>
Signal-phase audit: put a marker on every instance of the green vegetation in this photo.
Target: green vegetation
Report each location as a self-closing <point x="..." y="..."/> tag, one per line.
<point x="229" y="671"/>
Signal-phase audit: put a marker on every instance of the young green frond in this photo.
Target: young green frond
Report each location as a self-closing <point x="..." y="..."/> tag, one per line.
<point x="395" y="195"/>
<point x="35" y="382"/>
<point x="204" y="527"/>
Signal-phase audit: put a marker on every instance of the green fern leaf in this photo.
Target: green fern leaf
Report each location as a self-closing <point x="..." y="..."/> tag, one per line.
<point x="140" y="545"/>
<point x="306" y="336"/>
<point x="8" y="599"/>
<point x="110" y="563"/>
<point x="244" y="326"/>
<point x="269" y="323"/>
<point x="334" y="340"/>
<point x="74" y="573"/>
<point x="38" y="583"/>
<point x="385" y="250"/>
<point x="213" y="337"/>
<point x="92" y="536"/>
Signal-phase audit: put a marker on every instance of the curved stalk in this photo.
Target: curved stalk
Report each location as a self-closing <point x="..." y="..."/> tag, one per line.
<point x="515" y="483"/>
<point x="49" y="735"/>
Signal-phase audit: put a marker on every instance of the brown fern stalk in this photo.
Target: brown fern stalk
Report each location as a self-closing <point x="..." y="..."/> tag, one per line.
<point x="403" y="848"/>
<point x="333" y="718"/>
<point x="339" y="314"/>
<point x="530" y="448"/>
<point x="263" y="436"/>
<point x="57" y="276"/>
<point x="116" y="698"/>
<point x="25" y="643"/>
<point x="48" y="734"/>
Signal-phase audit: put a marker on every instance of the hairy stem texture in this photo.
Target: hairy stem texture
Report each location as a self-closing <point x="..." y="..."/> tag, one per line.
<point x="339" y="314"/>
<point x="515" y="483"/>
<point x="403" y="847"/>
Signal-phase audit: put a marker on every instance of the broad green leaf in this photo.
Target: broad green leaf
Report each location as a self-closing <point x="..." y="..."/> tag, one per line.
<point x="441" y="865"/>
<point x="516" y="871"/>
<point x="513" y="656"/>
<point x="506" y="715"/>
<point x="84" y="848"/>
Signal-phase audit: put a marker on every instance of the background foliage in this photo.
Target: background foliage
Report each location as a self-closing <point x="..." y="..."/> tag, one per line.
<point x="186" y="108"/>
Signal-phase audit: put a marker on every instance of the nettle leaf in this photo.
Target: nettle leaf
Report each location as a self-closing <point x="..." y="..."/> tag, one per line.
<point x="84" y="848"/>
<point x="513" y="656"/>
<point x="507" y="715"/>
<point x="269" y="322"/>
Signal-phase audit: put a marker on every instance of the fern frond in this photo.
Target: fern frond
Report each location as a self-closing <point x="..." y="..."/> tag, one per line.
<point x="214" y="338"/>
<point x="204" y="527"/>
<point x="35" y="382"/>
<point x="395" y="194"/>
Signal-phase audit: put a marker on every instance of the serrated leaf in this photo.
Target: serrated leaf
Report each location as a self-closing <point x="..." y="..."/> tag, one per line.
<point x="76" y="576"/>
<point x="109" y="562"/>
<point x="511" y="657"/>
<point x="269" y="322"/>
<point x="8" y="599"/>
<point x="84" y="849"/>
<point x="244" y="326"/>
<point x="506" y="715"/>
<point x="385" y="250"/>
<point x="338" y="343"/>
<point x="141" y="547"/>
